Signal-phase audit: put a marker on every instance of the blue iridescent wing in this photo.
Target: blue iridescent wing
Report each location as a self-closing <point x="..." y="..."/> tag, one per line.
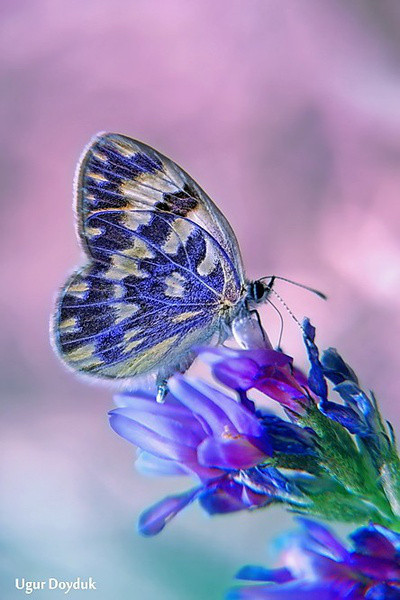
<point x="164" y="266"/>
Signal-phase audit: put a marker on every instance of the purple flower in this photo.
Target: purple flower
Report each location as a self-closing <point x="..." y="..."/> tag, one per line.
<point x="242" y="457"/>
<point x="315" y="565"/>
<point x="224" y="444"/>
<point x="266" y="370"/>
<point x="273" y="374"/>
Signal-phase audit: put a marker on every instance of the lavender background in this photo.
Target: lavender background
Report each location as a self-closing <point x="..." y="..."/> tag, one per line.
<point x="288" y="114"/>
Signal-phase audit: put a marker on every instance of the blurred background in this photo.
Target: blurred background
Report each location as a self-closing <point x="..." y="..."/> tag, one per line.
<point x="288" y="114"/>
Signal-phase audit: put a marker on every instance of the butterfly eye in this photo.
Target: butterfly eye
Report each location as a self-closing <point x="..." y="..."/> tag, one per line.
<point x="258" y="291"/>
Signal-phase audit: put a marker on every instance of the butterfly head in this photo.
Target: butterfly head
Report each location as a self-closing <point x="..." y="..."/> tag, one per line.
<point x="259" y="290"/>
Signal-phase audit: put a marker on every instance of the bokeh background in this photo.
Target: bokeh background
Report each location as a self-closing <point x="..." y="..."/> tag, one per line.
<point x="288" y="114"/>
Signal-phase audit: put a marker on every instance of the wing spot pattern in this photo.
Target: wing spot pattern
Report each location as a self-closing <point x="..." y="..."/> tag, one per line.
<point x="175" y="285"/>
<point x="96" y="176"/>
<point x="141" y="249"/>
<point x="79" y="289"/>
<point x="124" y="263"/>
<point x="125" y="311"/>
<point x="99" y="156"/>
<point x="84" y="357"/>
<point x="185" y="316"/>
<point x="207" y="265"/>
<point x="135" y="219"/>
<point x="179" y="234"/>
<point x="70" y="325"/>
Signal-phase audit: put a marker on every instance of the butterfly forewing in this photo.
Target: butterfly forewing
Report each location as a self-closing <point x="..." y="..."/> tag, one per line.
<point x="163" y="264"/>
<point x="120" y="173"/>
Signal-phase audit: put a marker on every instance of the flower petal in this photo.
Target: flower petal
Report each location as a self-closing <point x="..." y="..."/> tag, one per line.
<point x="184" y="428"/>
<point x="344" y="415"/>
<point x="288" y="437"/>
<point x="154" y="519"/>
<point x="368" y="540"/>
<point x="243" y="419"/>
<point x="218" y="409"/>
<point x="222" y="498"/>
<point x="263" y="357"/>
<point x="149" y="440"/>
<point x="280" y="385"/>
<point x="316" y="377"/>
<point x="229" y="454"/>
<point x="393" y="536"/>
<point x="237" y="373"/>
<point x="353" y="396"/>
<point x="256" y="573"/>
<point x="199" y="403"/>
<point x="148" y="464"/>
<point x="325" y="538"/>
<point x="335" y="369"/>
<point x="268" y="358"/>
<point x="146" y="403"/>
<point x="383" y="591"/>
<point x="376" y="567"/>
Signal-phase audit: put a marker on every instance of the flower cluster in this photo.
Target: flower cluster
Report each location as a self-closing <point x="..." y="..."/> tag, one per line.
<point x="226" y="445"/>
<point x="329" y="459"/>
<point x="316" y="565"/>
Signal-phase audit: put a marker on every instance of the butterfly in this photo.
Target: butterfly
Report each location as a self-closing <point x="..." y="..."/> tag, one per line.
<point x="163" y="272"/>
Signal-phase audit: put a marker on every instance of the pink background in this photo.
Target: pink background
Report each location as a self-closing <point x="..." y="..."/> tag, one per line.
<point x="288" y="114"/>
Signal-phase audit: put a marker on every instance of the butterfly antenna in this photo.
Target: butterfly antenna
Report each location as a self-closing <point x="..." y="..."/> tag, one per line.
<point x="301" y="285"/>
<point x="289" y="311"/>
<point x="276" y="309"/>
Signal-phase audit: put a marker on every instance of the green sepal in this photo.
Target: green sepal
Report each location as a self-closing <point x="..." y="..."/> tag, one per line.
<point x="339" y="454"/>
<point x="295" y="462"/>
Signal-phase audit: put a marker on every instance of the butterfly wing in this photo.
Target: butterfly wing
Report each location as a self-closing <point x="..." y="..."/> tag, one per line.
<point x="164" y="264"/>
<point x="117" y="172"/>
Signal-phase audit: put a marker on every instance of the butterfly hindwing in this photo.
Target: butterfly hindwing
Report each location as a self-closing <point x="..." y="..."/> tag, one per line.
<point x="110" y="327"/>
<point x="161" y="266"/>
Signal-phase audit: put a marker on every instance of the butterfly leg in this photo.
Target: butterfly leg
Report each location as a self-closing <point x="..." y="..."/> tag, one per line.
<point x="224" y="332"/>
<point x="181" y="366"/>
<point x="162" y="390"/>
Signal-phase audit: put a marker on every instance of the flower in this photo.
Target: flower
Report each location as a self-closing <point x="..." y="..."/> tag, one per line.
<point x="327" y="459"/>
<point x="273" y="373"/>
<point x="316" y="565"/>
<point x="268" y="371"/>
<point x="224" y="444"/>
